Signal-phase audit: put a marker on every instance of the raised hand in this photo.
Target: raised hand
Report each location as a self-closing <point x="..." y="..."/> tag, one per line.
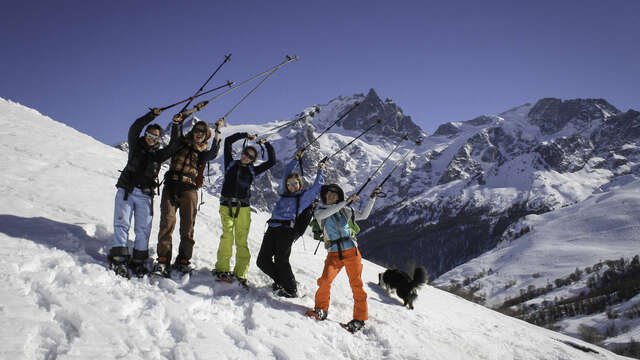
<point x="178" y="118"/>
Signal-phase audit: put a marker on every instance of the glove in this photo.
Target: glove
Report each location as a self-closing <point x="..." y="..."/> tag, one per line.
<point x="201" y="105"/>
<point x="177" y="118"/>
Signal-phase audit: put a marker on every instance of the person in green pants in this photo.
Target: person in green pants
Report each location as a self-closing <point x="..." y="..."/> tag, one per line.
<point x="235" y="212"/>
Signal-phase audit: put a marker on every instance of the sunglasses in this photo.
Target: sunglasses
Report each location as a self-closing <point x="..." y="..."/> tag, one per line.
<point x="249" y="155"/>
<point x="151" y="136"/>
<point x="199" y="131"/>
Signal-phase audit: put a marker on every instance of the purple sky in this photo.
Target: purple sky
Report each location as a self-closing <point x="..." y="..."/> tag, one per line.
<point x="97" y="65"/>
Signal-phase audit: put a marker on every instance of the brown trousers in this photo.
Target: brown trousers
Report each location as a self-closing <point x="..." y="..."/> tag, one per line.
<point x="187" y="203"/>
<point x="352" y="262"/>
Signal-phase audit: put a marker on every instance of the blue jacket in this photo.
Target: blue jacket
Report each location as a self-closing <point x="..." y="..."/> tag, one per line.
<point x="286" y="207"/>
<point x="333" y="220"/>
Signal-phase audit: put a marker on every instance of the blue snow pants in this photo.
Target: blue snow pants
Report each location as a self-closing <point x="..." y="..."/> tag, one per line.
<point x="138" y="204"/>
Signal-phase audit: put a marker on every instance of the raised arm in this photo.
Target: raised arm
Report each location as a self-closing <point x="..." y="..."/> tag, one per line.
<point x="324" y="211"/>
<point x="287" y="171"/>
<point x="175" y="143"/>
<point x="312" y="193"/>
<point x="367" y="210"/>
<point x="228" y="146"/>
<point x="269" y="163"/>
<point x="138" y="125"/>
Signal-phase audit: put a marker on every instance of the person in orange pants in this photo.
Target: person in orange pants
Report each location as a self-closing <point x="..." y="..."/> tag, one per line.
<point x="336" y="219"/>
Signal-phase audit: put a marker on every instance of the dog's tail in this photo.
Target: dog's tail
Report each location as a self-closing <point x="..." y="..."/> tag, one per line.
<point x="419" y="277"/>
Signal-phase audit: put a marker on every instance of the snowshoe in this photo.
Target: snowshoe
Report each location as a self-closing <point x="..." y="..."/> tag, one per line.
<point x="183" y="266"/>
<point x="353" y="326"/>
<point x="243" y="282"/>
<point x="161" y="269"/>
<point x="138" y="268"/>
<point x="119" y="265"/>
<point x="287" y="294"/>
<point x="317" y="314"/>
<point x="223" y="276"/>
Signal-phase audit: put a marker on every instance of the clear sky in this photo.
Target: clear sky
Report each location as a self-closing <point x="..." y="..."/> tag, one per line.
<point x="97" y="65"/>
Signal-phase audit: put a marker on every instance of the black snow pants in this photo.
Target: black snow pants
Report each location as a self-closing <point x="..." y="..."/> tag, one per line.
<point x="273" y="258"/>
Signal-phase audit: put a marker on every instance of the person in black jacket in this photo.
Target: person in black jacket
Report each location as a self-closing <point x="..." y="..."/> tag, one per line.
<point x="134" y="198"/>
<point x="235" y="212"/>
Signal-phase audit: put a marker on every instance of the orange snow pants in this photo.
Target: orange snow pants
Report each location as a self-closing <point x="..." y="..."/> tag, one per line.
<point x="352" y="261"/>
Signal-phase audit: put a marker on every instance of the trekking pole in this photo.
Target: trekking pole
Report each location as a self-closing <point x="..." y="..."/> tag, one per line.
<point x="279" y="128"/>
<point x="351" y="142"/>
<point x="204" y="103"/>
<point x="382" y="195"/>
<point x="226" y="59"/>
<point x="198" y="93"/>
<point x="248" y="94"/>
<point x="228" y="84"/>
<point x="330" y="126"/>
<point x="404" y="137"/>
<point x="317" y="247"/>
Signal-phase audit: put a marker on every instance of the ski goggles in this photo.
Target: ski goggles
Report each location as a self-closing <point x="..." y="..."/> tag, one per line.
<point x="151" y="136"/>
<point x="249" y="155"/>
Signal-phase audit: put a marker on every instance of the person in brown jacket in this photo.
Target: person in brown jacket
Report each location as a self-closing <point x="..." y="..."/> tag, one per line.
<point x="180" y="192"/>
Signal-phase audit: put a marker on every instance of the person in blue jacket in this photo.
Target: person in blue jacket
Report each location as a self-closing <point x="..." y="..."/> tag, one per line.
<point x="273" y="258"/>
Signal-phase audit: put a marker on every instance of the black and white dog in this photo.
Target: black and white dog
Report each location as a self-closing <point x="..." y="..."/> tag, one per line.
<point x="404" y="286"/>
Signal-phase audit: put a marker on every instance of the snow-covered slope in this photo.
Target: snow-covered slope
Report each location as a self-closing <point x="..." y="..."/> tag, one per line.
<point x="57" y="301"/>
<point x="603" y="227"/>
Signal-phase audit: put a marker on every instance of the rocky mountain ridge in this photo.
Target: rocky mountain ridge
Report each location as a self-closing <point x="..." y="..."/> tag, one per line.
<point x="465" y="184"/>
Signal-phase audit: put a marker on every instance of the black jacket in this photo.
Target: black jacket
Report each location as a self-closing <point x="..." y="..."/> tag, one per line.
<point x="238" y="177"/>
<point x="144" y="161"/>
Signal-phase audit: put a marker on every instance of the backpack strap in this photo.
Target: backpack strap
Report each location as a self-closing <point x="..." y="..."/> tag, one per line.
<point x="339" y="241"/>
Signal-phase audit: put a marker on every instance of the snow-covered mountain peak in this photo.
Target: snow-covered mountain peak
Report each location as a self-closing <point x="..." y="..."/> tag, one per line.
<point x="552" y="114"/>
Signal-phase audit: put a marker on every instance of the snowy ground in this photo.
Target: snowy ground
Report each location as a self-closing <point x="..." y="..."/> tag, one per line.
<point x="58" y="301"/>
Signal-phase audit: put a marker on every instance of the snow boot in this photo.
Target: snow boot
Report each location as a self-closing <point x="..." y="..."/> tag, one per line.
<point x="138" y="268"/>
<point x="223" y="276"/>
<point x="183" y="265"/>
<point x="317" y="314"/>
<point x="137" y="264"/>
<point x="162" y="268"/>
<point x="242" y="282"/>
<point x="353" y="326"/>
<point x="118" y="259"/>
<point x="282" y="292"/>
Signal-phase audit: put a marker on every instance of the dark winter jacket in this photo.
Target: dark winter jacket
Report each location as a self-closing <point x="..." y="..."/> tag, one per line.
<point x="238" y="177"/>
<point x="144" y="161"/>
<point x="183" y="171"/>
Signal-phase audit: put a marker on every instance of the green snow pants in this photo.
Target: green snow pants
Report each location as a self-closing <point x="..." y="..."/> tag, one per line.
<point x="234" y="230"/>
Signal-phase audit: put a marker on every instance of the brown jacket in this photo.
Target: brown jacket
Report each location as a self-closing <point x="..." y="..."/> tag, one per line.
<point x="185" y="162"/>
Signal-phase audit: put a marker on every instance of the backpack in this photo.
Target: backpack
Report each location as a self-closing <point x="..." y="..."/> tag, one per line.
<point x="318" y="231"/>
